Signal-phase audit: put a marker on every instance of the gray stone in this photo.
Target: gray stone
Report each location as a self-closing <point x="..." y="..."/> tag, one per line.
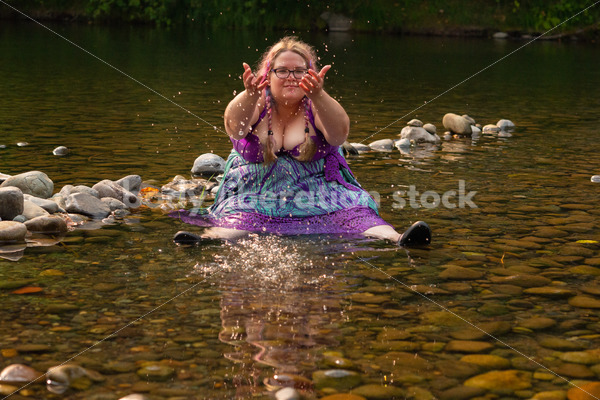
<point x="287" y="393"/>
<point x="86" y="204"/>
<point x="491" y="129"/>
<point x="20" y="218"/>
<point x="32" y="210"/>
<point x="415" y="123"/>
<point x="430" y="128"/>
<point x="475" y="130"/>
<point x="349" y="149"/>
<point x="12" y="231"/>
<point x="595" y="178"/>
<point x="113" y="204"/>
<point x="47" y="204"/>
<point x="60" y="151"/>
<point x="108" y="188"/>
<point x="208" y="164"/>
<point x="504" y="134"/>
<point x="500" y="35"/>
<point x="51" y="224"/>
<point x="11" y="202"/>
<point x="3" y="177"/>
<point x="131" y="183"/>
<point x="382" y="145"/>
<point x="18" y="374"/>
<point x="418" y="135"/>
<point x="470" y="119"/>
<point x="456" y="124"/>
<point x="70" y="189"/>
<point x="402" y="144"/>
<point x="505" y="125"/>
<point x="361" y="148"/>
<point x="35" y="183"/>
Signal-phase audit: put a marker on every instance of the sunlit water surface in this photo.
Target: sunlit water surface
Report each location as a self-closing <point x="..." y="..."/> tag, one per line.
<point x="242" y="320"/>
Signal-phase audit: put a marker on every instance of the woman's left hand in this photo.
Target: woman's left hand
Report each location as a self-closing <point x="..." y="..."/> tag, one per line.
<point x="312" y="83"/>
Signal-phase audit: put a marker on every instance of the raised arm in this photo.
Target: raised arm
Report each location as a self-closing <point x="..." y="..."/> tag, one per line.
<point x="330" y="116"/>
<point x="243" y="110"/>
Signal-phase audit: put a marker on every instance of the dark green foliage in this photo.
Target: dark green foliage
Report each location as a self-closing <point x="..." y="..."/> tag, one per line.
<point x="368" y="15"/>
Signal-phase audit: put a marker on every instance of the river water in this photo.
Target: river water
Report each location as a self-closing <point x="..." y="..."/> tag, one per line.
<point x="517" y="257"/>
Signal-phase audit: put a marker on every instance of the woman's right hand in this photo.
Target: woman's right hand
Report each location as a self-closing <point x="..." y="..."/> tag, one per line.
<point x="253" y="84"/>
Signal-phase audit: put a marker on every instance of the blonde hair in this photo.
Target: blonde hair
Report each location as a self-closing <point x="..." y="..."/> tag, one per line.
<point x="289" y="43"/>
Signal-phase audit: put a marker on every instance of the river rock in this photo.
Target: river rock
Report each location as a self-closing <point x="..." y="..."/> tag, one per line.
<point x="468" y="346"/>
<point x="35" y="183"/>
<point x="538" y="323"/>
<point x="415" y="122"/>
<point x="402" y="144"/>
<point x="18" y="374"/>
<point x="155" y="372"/>
<point x="418" y="135"/>
<point x="490" y="129"/>
<point x="581" y="357"/>
<point x="522" y="280"/>
<point x="556" y="343"/>
<point x="82" y="203"/>
<point x="349" y="149"/>
<point x="550" y="395"/>
<point x="47" y="204"/>
<point x="208" y="164"/>
<point x="456" y="124"/>
<point x="586" y="391"/>
<point x="378" y="392"/>
<point x="108" y="188"/>
<point x="135" y="396"/>
<point x="460" y="273"/>
<point x="487" y="361"/>
<point x="67" y="190"/>
<point x="584" y="302"/>
<point x="12" y="231"/>
<point x="504" y="134"/>
<point x="60" y="378"/>
<point x="287" y="393"/>
<point x="50" y="224"/>
<point x="475" y="131"/>
<point x="505" y="125"/>
<point x="501" y="382"/>
<point x="339" y="379"/>
<point x="461" y="393"/>
<point x="11" y="202"/>
<point x="578" y="371"/>
<point x="60" y="151"/>
<point x="595" y="178"/>
<point x="500" y="35"/>
<point x="32" y="210"/>
<point x="382" y="145"/>
<point x="430" y="128"/>
<point x="361" y="147"/>
<point x="343" y="396"/>
<point x="470" y="119"/>
<point x="131" y="183"/>
<point x="113" y="204"/>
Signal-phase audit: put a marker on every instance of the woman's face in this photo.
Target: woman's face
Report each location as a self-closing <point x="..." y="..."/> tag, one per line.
<point x="286" y="90"/>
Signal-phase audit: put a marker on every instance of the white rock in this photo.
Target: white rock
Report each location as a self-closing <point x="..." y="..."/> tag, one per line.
<point x="382" y="145"/>
<point x="418" y="135"/>
<point x="35" y="183"/>
<point x="430" y="128"/>
<point x="402" y="143"/>
<point x="208" y="164"/>
<point x="60" y="151"/>
<point x="475" y="130"/>
<point x="500" y="35"/>
<point x="505" y="125"/>
<point x="287" y="393"/>
<point x="415" y="122"/>
<point x="361" y="147"/>
<point x="491" y="129"/>
<point x="595" y="178"/>
<point x="32" y="210"/>
<point x="457" y="124"/>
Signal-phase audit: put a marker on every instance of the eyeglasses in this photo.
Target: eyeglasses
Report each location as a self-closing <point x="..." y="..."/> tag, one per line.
<point x="284" y="73"/>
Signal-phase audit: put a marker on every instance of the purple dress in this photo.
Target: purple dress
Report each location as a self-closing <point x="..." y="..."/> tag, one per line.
<point x="288" y="196"/>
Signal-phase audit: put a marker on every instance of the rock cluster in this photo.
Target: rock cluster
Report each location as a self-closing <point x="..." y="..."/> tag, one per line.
<point x="28" y="207"/>
<point x="416" y="132"/>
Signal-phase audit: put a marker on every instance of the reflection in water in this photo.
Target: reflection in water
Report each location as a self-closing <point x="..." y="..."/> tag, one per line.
<point x="280" y="305"/>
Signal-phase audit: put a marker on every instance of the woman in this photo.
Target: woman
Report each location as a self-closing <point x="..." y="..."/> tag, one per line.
<point x="286" y="173"/>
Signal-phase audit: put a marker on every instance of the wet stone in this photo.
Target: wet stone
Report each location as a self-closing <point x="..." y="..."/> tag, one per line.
<point x="343" y="396"/>
<point x="585" y="270"/>
<point x="457" y="369"/>
<point x="550" y="291"/>
<point x="460" y="273"/>
<point x="557" y="343"/>
<point x="547" y="232"/>
<point x="369" y="298"/>
<point x="457" y="287"/>
<point x="584" y="302"/>
<point x="378" y="392"/>
<point x="468" y="346"/>
<point x="501" y="382"/>
<point x="156" y="372"/>
<point x="586" y="391"/>
<point x="461" y="393"/>
<point x="581" y="357"/>
<point x="491" y="309"/>
<point x="338" y="379"/>
<point x="522" y="280"/>
<point x="593" y="261"/>
<point x="33" y="348"/>
<point x="538" y="323"/>
<point x="574" y="371"/>
<point x="487" y="361"/>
